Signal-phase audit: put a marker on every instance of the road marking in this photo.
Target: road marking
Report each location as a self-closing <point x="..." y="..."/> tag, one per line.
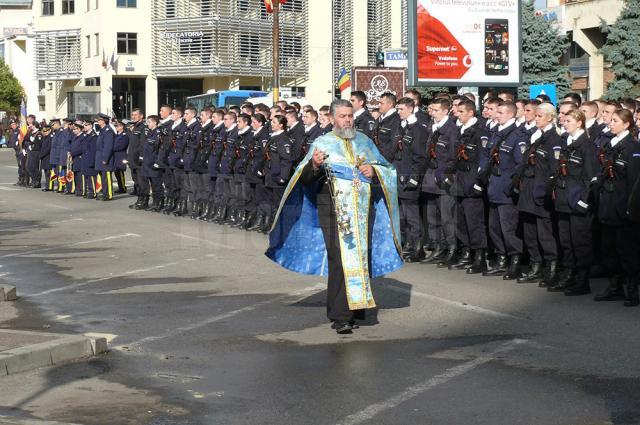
<point x="223" y="316"/>
<point x="36" y="226"/>
<point x="458" y="304"/>
<point x="10" y="189"/>
<point x="375" y="409"/>
<point x="195" y="238"/>
<point x="100" y="279"/>
<point x="107" y="238"/>
<point x="15" y="167"/>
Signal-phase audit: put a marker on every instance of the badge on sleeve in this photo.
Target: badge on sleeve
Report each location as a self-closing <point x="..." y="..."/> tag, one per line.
<point x="556" y="154"/>
<point x="287" y="149"/>
<point x="523" y="148"/>
<point x="485" y="140"/>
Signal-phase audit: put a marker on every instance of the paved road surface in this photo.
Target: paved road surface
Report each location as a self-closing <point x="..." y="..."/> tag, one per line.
<point x="205" y="330"/>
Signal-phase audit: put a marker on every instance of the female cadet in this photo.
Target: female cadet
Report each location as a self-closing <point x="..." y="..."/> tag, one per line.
<point x="620" y="160"/>
<point x="278" y="165"/>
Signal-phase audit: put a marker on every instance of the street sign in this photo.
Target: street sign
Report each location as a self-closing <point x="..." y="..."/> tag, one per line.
<point x="396" y="58"/>
<point x="548" y="89"/>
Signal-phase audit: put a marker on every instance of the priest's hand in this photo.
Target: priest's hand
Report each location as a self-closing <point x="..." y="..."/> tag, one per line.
<point x="318" y="158"/>
<point x="366" y="170"/>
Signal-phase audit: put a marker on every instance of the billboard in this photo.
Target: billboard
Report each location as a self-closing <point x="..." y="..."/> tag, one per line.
<point x="374" y="82"/>
<point x="464" y="42"/>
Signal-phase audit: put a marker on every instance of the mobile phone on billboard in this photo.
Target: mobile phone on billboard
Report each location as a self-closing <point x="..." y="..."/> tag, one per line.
<point x="496" y="47"/>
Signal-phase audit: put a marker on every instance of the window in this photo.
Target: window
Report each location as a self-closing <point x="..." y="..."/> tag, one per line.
<point x="128" y="43"/>
<point x="97" y="44"/>
<point x="243" y="6"/>
<point x="88" y="37"/>
<point x="68" y="7"/>
<point x="127" y="3"/>
<point x="47" y="7"/>
<point x="92" y="82"/>
<point x="170" y="8"/>
<point x="292" y="6"/>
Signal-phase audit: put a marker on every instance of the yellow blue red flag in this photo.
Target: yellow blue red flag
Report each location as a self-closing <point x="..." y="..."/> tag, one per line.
<point x="344" y="81"/>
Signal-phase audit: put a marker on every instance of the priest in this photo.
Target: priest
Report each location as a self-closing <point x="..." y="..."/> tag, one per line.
<point x="339" y="217"/>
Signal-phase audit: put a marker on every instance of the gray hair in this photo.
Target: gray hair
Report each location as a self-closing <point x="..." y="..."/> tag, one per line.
<point x="339" y="103"/>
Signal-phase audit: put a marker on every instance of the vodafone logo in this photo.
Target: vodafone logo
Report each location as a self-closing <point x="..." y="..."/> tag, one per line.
<point x="466" y="61"/>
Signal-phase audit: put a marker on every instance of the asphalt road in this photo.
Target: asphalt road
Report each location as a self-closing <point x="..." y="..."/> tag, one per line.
<point x="206" y="330"/>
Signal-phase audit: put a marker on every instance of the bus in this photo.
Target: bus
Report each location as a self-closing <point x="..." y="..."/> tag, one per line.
<point x="224" y="98"/>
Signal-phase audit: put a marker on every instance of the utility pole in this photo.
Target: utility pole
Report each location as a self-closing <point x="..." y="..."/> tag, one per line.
<point x="276" y="51"/>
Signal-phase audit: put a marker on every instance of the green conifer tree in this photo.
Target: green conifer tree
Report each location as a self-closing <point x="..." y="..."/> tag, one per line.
<point x="621" y="50"/>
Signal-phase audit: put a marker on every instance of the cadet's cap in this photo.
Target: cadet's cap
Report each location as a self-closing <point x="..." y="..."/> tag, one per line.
<point x="12" y="121"/>
<point x="103" y="117"/>
<point x="67" y="120"/>
<point x="54" y="120"/>
<point x="46" y="127"/>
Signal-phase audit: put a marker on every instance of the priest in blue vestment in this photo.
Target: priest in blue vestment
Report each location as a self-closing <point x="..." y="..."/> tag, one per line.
<point x="339" y="217"/>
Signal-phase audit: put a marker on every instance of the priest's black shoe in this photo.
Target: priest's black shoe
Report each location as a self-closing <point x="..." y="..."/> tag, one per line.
<point x="343" y="328"/>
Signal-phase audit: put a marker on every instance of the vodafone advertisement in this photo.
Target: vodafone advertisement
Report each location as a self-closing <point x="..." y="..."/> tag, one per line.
<point x="466" y="42"/>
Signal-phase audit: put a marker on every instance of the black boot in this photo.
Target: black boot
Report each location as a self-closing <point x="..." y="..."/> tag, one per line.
<point x="154" y="204"/>
<point x="231" y="217"/>
<point x="215" y="217"/>
<point x="550" y="276"/>
<point x="614" y="292"/>
<point x="436" y="255"/>
<point x="170" y="204"/>
<point x="415" y="253"/>
<point x="159" y="206"/>
<point x="240" y="219"/>
<point x="450" y="258"/>
<point x="206" y="210"/>
<point x="180" y="207"/>
<point x="631" y="298"/>
<point x="581" y="285"/>
<point x="534" y="275"/>
<point x="566" y="278"/>
<point x="249" y="220"/>
<point x="479" y="262"/>
<point x="258" y="224"/>
<point x="464" y="260"/>
<point x="267" y="224"/>
<point x="513" y="272"/>
<point x="135" y="204"/>
<point x="196" y="209"/>
<point x="499" y="267"/>
<point x="223" y="215"/>
<point x="144" y="204"/>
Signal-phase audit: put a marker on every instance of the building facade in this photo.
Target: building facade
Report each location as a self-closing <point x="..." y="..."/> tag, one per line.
<point x="113" y="55"/>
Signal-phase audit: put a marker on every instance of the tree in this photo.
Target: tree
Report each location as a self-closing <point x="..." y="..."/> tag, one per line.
<point x="621" y="50"/>
<point x="11" y="92"/>
<point x="542" y="49"/>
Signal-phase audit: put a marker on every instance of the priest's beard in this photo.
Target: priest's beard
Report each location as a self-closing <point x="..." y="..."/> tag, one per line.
<point x="345" y="133"/>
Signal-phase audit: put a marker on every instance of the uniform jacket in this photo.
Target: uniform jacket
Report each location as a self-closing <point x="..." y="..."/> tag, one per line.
<point x="166" y="142"/>
<point x="577" y="168"/>
<point x="45" y="152"/>
<point x="469" y="151"/>
<point x="386" y="135"/>
<point x="65" y="146"/>
<point x="296" y="136"/>
<point x="56" y="145"/>
<point x="411" y="158"/>
<point x="151" y="145"/>
<point x="89" y="154"/>
<point x="503" y="163"/>
<point x="243" y="147"/>
<point x="120" y="145"/>
<point x="441" y="157"/>
<point x="76" y="152"/>
<point x="228" y="158"/>
<point x="136" y="142"/>
<point x="104" y="149"/>
<point x="365" y="124"/>
<point x="177" y="144"/>
<point x="217" y="142"/>
<point x="255" y="166"/>
<point x="203" y="152"/>
<point x="192" y="136"/>
<point x="278" y="161"/>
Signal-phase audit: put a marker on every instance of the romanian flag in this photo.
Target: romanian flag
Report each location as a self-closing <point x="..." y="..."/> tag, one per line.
<point x="269" y="4"/>
<point x="344" y="81"/>
<point x="23" y="122"/>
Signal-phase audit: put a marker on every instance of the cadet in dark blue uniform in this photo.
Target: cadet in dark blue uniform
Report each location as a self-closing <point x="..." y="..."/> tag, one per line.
<point x="14" y="142"/>
<point x="388" y="129"/>
<point x="468" y="189"/>
<point x="174" y="173"/>
<point x="217" y="146"/>
<point x="151" y="175"/>
<point x="534" y="202"/>
<point x="192" y="135"/>
<point x="255" y="173"/>
<point x="620" y="171"/>
<point x="605" y="134"/>
<point x="225" y="169"/>
<point x="54" y="153"/>
<point x="134" y="151"/>
<point x="104" y="158"/>
<point x="120" y="145"/>
<point x="440" y="205"/>
<point x="162" y="159"/>
<point x="410" y="160"/>
<point x="88" y="168"/>
<point x="243" y="194"/>
<point x="278" y="165"/>
<point x="45" y="157"/>
<point x="423" y="118"/>
<point x="200" y="179"/>
<point x="75" y="152"/>
<point x="33" y="156"/>
<point x="572" y="184"/>
<point x="296" y="133"/>
<point x="592" y="126"/>
<point x="66" y="137"/>
<point x="312" y="131"/>
<point x="362" y="119"/>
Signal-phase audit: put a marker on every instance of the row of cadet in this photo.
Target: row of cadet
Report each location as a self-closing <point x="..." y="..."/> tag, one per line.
<point x="520" y="189"/>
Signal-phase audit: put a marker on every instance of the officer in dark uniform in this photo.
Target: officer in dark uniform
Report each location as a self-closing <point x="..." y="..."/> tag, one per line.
<point x="362" y="119"/>
<point x="120" y="145"/>
<point x="388" y="129"/>
<point x="411" y="163"/>
<point x="255" y="173"/>
<point x="440" y="205"/>
<point x="312" y="131"/>
<point x="104" y="158"/>
<point x="217" y="146"/>
<point x="605" y="134"/>
<point x="508" y="145"/>
<point x="134" y="152"/>
<point x="200" y="179"/>
<point x="296" y="133"/>
<point x="467" y="188"/>
<point x="593" y="127"/>
<point x="534" y="202"/>
<point x="423" y="118"/>
<point x="33" y="158"/>
<point x="175" y="172"/>
<point x="54" y="153"/>
<point x="620" y="170"/>
<point x="192" y="135"/>
<point x="88" y="162"/>
<point x="64" y="145"/>
<point x="162" y="161"/>
<point x="150" y="175"/>
<point x="225" y="169"/>
<point x="243" y="195"/>
<point x="14" y="142"/>
<point x="75" y="152"/>
<point x="572" y="184"/>
<point x="278" y="165"/>
<point x="45" y="157"/>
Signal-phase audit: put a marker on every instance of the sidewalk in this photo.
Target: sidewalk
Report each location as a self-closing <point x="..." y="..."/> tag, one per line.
<point x="24" y="350"/>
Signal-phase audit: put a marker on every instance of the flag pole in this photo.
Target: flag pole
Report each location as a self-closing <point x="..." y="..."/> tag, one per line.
<point x="276" y="51"/>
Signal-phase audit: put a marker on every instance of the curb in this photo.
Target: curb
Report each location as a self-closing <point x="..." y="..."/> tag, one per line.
<point x="62" y="348"/>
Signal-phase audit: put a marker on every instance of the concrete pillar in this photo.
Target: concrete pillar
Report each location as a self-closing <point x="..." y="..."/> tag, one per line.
<point x="596" y="63"/>
<point x="396" y="23"/>
<point x="151" y="95"/>
<point x="320" y="92"/>
<point x="360" y="56"/>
